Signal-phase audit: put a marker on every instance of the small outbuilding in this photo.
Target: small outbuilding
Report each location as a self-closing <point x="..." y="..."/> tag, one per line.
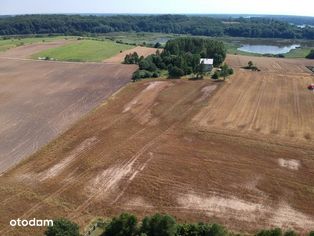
<point x="311" y="87"/>
<point x="208" y="64"/>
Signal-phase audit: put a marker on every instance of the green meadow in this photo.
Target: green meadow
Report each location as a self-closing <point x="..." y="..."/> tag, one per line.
<point x="84" y="50"/>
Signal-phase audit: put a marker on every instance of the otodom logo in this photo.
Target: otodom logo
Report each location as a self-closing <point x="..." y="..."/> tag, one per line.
<point x="30" y="223"/>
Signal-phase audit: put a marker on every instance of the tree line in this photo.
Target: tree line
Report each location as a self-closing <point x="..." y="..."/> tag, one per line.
<point x="177" y="24"/>
<point x="156" y="225"/>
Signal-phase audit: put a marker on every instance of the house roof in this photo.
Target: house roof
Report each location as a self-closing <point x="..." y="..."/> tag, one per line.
<point x="207" y="61"/>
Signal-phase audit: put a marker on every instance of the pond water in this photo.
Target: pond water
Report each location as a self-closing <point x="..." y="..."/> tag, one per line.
<point x="267" y="49"/>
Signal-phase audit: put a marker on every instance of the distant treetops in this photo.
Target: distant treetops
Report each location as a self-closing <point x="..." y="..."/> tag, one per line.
<point x="253" y="27"/>
<point x="156" y="225"/>
<point x="180" y="57"/>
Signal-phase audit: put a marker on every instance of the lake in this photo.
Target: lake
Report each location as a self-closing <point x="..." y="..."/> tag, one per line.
<point x="267" y="49"/>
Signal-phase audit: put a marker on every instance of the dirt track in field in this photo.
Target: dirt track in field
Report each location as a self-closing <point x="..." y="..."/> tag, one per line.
<point x="141" y="51"/>
<point x="39" y="100"/>
<point x="181" y="147"/>
<point x="23" y="52"/>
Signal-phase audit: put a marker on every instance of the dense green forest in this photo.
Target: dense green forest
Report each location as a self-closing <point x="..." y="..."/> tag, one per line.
<point x="156" y="225"/>
<point x="178" y="24"/>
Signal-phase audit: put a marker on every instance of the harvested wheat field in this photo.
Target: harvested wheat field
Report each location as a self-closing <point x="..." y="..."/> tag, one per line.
<point x="237" y="153"/>
<point x="274" y="102"/>
<point x="141" y="51"/>
<point x="39" y="100"/>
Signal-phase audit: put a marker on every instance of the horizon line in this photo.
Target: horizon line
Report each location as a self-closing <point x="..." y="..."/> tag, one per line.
<point x="103" y="13"/>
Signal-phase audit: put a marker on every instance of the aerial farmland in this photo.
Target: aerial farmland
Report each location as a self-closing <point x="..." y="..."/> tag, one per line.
<point x="109" y="124"/>
<point x="198" y="150"/>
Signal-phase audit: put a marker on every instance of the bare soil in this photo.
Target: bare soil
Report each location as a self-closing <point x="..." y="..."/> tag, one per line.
<point x="239" y="153"/>
<point x="39" y="100"/>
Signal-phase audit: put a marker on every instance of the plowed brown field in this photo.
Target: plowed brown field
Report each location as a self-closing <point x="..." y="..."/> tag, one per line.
<point x="39" y="100"/>
<point x="238" y="153"/>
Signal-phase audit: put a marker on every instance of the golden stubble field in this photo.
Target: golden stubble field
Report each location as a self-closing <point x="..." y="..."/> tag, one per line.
<point x="238" y="153"/>
<point x="274" y="102"/>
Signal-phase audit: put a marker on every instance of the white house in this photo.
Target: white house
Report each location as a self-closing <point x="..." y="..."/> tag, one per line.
<point x="208" y="63"/>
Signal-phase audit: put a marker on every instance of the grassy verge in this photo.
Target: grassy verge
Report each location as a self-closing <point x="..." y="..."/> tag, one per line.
<point x="86" y="50"/>
<point x="298" y="53"/>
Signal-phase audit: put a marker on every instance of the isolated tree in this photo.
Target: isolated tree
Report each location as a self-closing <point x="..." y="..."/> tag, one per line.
<point x="226" y="71"/>
<point x="250" y="64"/>
<point x="124" y="225"/>
<point x="63" y="227"/>
<point x="311" y="233"/>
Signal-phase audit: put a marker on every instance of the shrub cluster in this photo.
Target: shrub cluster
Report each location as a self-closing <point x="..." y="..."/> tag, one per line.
<point x="224" y="71"/>
<point x="251" y="66"/>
